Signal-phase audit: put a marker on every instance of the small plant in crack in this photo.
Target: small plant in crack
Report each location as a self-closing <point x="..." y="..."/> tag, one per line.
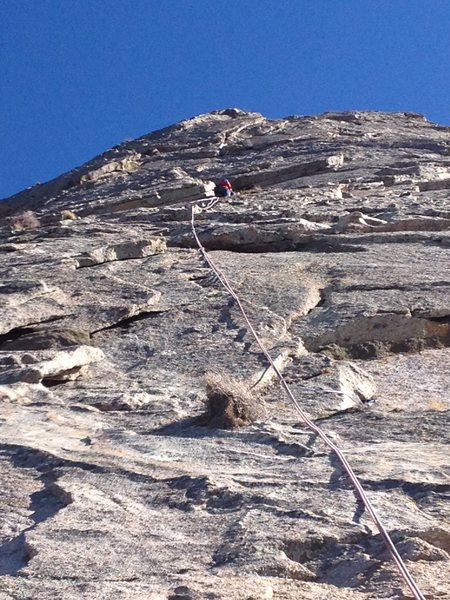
<point x="68" y="215"/>
<point x="229" y="404"/>
<point x="25" y="220"/>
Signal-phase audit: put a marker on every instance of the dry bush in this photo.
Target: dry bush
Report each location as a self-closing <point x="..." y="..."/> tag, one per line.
<point x="68" y="215"/>
<point x="25" y="220"/>
<point x="228" y="402"/>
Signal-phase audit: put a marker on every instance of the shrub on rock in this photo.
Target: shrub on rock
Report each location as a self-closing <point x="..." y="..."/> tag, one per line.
<point x="229" y="403"/>
<point x="25" y="220"/>
<point x="68" y="215"/>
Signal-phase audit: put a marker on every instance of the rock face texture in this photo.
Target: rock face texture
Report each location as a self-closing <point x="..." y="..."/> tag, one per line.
<point x="114" y="485"/>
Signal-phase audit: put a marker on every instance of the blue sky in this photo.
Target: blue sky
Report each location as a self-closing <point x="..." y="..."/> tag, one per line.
<point x="77" y="77"/>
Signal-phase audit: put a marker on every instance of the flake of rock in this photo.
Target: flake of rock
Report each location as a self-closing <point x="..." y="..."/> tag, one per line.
<point x="123" y="251"/>
<point x="27" y="393"/>
<point x="352" y="382"/>
<point x="37" y="366"/>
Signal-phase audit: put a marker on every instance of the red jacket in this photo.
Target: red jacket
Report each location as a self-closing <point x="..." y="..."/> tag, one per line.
<point x="225" y="184"/>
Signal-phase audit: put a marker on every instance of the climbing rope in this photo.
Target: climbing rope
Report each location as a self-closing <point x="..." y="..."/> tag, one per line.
<point x="403" y="570"/>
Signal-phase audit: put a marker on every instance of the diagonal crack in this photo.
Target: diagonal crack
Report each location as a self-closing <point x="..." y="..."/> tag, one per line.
<point x="124" y="323"/>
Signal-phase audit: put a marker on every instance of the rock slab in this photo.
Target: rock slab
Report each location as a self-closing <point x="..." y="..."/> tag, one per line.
<point x="337" y="241"/>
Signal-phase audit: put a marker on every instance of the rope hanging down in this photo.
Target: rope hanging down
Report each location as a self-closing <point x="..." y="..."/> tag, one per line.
<point x="403" y="570"/>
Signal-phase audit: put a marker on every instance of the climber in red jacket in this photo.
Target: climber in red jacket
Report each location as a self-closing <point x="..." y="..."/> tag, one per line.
<point x="223" y="189"/>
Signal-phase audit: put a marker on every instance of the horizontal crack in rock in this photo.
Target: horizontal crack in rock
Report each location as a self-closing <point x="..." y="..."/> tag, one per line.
<point x="124" y="323"/>
<point x="372" y="337"/>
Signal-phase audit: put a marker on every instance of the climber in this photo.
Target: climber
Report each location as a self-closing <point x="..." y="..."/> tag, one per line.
<point x="223" y="189"/>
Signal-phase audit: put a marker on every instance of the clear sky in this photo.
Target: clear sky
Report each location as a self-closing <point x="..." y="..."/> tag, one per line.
<point x="79" y="76"/>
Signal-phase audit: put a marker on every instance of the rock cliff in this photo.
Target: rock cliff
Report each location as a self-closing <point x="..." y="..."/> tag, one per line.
<point x="116" y="482"/>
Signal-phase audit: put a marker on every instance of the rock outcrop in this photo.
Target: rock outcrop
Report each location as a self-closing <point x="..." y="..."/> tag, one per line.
<point x="114" y="482"/>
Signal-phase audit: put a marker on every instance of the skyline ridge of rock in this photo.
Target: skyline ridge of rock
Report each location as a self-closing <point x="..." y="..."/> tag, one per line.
<point x="126" y="147"/>
<point x="232" y="112"/>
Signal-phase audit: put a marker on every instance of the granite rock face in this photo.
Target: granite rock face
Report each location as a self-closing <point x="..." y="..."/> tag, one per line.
<point x="337" y="241"/>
